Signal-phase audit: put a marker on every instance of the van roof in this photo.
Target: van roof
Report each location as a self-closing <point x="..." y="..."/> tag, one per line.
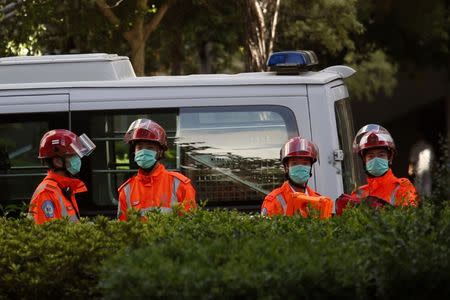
<point x="111" y="70"/>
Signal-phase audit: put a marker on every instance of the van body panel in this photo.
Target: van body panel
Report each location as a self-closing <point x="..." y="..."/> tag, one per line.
<point x="118" y="98"/>
<point x="43" y="101"/>
<point x="53" y="68"/>
<point x="242" y="79"/>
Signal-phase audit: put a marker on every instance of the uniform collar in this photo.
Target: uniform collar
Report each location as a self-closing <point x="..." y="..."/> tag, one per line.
<point x="291" y="188"/>
<point x="76" y="185"/>
<point x="148" y="177"/>
<point x="387" y="177"/>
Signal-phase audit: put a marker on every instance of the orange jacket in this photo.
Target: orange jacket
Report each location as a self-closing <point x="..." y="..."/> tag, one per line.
<point x="393" y="190"/>
<point x="281" y="201"/>
<point x="48" y="201"/>
<point x="160" y="188"/>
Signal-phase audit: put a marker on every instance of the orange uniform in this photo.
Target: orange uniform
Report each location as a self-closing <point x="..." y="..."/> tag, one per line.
<point x="393" y="190"/>
<point x="160" y="189"/>
<point x="280" y="201"/>
<point x="49" y="202"/>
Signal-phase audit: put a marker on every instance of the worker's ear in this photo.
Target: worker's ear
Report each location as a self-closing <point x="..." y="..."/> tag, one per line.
<point x="57" y="162"/>
<point x="160" y="153"/>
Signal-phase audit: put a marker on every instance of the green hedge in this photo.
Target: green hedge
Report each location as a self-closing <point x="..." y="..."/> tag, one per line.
<point x="220" y="254"/>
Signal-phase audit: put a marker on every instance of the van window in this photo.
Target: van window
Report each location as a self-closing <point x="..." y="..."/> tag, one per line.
<point x="20" y="169"/>
<point x="231" y="154"/>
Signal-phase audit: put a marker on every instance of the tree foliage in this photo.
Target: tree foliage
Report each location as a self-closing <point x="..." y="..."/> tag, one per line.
<point x="200" y="36"/>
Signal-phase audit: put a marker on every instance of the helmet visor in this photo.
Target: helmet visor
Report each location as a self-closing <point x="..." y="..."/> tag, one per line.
<point x="372" y="140"/>
<point x="365" y="129"/>
<point x="83" y="146"/>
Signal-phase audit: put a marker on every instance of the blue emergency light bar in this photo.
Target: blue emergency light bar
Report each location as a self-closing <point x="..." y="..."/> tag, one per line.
<point x="291" y="62"/>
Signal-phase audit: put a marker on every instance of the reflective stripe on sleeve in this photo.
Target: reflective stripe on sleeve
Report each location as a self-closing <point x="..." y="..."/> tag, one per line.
<point x="282" y="202"/>
<point x="175" y="185"/>
<point x="63" y="206"/>
<point x="394" y="192"/>
<point x="127" y="191"/>
<point x="38" y="190"/>
<point x="72" y="218"/>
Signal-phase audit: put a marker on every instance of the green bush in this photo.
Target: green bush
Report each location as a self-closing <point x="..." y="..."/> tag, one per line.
<point x="221" y="254"/>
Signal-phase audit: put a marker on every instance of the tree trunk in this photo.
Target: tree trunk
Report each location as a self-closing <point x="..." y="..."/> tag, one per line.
<point x="138" y="57"/>
<point x="140" y="31"/>
<point x="261" y="20"/>
<point x="206" y="57"/>
<point x="176" y="51"/>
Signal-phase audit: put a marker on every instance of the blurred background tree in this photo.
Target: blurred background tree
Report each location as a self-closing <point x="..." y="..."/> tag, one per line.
<point x="399" y="48"/>
<point x="201" y="36"/>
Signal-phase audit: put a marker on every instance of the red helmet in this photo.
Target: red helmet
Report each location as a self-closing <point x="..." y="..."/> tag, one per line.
<point x="299" y="147"/>
<point x="365" y="129"/>
<point x="60" y="142"/>
<point x="374" y="139"/>
<point x="146" y="130"/>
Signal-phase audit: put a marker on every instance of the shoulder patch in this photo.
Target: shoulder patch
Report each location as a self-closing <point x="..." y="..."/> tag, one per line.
<point x="48" y="208"/>
<point x="125" y="183"/>
<point x="180" y="176"/>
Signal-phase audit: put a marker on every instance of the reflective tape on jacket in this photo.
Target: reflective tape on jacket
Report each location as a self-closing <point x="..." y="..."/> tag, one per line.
<point x="173" y="197"/>
<point x="127" y="191"/>
<point x="175" y="185"/>
<point x="394" y="192"/>
<point x="282" y="202"/>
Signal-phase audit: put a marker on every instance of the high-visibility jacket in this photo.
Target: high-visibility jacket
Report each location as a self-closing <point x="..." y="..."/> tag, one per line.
<point x="284" y="201"/>
<point x="393" y="190"/>
<point x="54" y="198"/>
<point x="160" y="189"/>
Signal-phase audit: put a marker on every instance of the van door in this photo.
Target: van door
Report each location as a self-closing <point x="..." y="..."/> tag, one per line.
<point x="24" y="118"/>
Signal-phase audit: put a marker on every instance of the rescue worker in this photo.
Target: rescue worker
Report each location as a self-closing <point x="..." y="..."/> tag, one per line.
<point x="376" y="147"/>
<point x="297" y="155"/>
<point x="153" y="187"/>
<point x="54" y="198"/>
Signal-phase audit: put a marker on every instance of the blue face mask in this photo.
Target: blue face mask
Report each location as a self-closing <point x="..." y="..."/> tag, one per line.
<point x="73" y="164"/>
<point x="300" y="173"/>
<point x="377" y="166"/>
<point x="145" y="158"/>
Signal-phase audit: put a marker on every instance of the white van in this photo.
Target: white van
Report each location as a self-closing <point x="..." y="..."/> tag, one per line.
<point x="225" y="131"/>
